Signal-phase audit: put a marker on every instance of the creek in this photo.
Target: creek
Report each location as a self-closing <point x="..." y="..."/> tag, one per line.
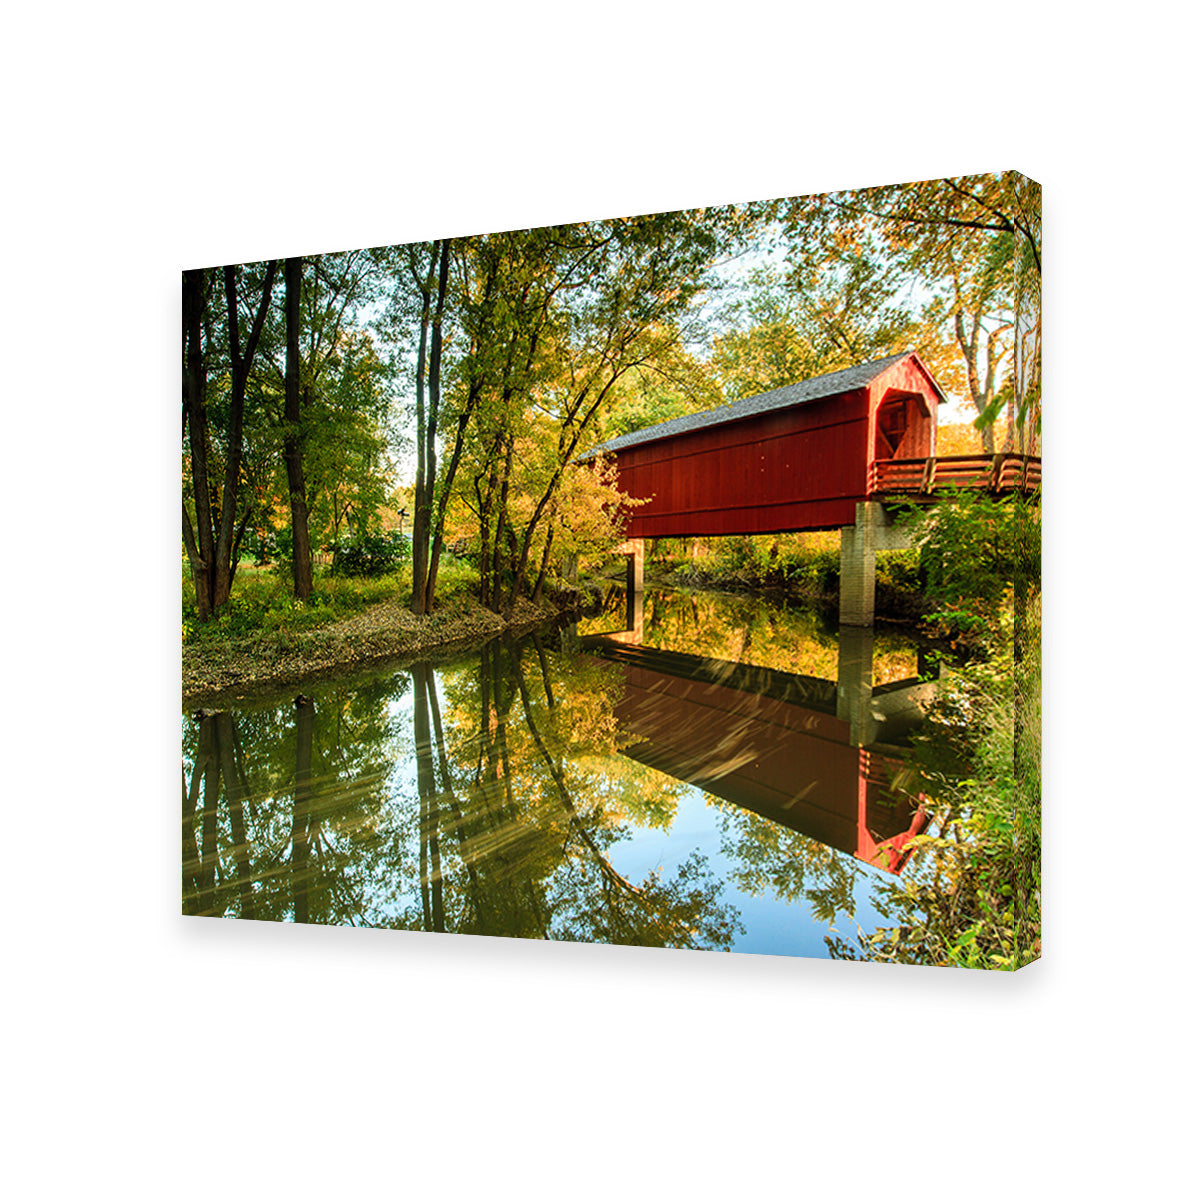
<point x="704" y="771"/>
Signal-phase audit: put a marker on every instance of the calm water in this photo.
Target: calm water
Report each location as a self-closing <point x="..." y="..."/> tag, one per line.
<point x="707" y="771"/>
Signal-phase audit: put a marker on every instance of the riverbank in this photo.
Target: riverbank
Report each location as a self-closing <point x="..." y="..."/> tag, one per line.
<point x="267" y="642"/>
<point x="797" y="568"/>
<point x="901" y="602"/>
<point x="219" y="671"/>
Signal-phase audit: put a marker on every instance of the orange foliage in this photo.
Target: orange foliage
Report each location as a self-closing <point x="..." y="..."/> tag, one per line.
<point x="959" y="439"/>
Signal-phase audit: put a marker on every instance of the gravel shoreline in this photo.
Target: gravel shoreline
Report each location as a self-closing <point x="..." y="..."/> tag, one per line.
<point x="386" y="632"/>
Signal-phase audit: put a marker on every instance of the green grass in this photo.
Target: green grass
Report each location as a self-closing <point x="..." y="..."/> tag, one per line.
<point x="262" y="600"/>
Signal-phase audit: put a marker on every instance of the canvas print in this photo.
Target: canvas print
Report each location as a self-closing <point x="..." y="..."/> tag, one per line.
<point x="668" y="580"/>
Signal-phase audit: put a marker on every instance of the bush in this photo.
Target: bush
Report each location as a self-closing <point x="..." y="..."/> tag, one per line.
<point x="972" y="894"/>
<point x="899" y="568"/>
<point x="370" y="554"/>
<point x="456" y="578"/>
<point x="818" y="570"/>
<point x="975" y="554"/>
<point x="280" y="547"/>
<point x="744" y="554"/>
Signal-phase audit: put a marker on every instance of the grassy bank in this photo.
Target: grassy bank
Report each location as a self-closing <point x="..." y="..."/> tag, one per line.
<point x="264" y="638"/>
<point x="262" y="603"/>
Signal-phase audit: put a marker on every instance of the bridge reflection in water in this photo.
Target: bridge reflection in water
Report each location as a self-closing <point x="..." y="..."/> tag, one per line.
<point x="815" y="755"/>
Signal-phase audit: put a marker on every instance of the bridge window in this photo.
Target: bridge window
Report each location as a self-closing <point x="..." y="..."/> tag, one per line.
<point x="891" y="424"/>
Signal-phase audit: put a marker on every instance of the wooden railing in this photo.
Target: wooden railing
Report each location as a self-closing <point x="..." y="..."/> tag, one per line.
<point x="979" y="472"/>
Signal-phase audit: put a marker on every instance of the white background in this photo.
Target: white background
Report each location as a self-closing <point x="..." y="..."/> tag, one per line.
<point x="147" y="1055"/>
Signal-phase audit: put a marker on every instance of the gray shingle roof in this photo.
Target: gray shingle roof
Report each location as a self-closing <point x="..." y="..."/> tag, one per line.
<point x="817" y="388"/>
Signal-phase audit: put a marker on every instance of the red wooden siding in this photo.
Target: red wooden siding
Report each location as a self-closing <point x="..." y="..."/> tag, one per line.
<point x="801" y="468"/>
<point x="909" y="383"/>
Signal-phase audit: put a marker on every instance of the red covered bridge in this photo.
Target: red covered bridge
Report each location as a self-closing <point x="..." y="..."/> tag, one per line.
<point x="812" y="455"/>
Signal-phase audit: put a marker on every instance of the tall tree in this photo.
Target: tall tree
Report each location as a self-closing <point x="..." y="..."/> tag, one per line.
<point x="213" y="541"/>
<point x="976" y="240"/>
<point x="829" y="308"/>
<point x="321" y="398"/>
<point x="479" y="270"/>
<point x="427" y="419"/>
<point x="578" y="308"/>
<point x="293" y="435"/>
<point x="982" y="325"/>
<point x="199" y="541"/>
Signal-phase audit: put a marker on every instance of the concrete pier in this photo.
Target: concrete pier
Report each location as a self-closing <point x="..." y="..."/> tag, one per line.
<point x="635" y="594"/>
<point x="870" y="533"/>
<point x="635" y="563"/>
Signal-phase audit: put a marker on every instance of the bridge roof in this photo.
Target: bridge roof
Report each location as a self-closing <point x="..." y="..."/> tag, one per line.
<point x="818" y="388"/>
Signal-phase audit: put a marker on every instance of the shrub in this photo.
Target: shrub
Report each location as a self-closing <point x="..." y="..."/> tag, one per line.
<point x="972" y="894"/>
<point x="899" y="568"/>
<point x="976" y="553"/>
<point x="818" y="570"/>
<point x="280" y="546"/>
<point x="370" y="554"/>
<point x="456" y="577"/>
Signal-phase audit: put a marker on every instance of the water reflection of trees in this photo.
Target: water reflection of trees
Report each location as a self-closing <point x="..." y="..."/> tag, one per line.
<point x="770" y="858"/>
<point x="366" y="806"/>
<point x="533" y="833"/>
<point x="286" y="809"/>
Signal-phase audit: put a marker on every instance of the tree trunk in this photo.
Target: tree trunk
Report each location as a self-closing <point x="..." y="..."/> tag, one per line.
<point x="222" y="576"/>
<point x="424" y="568"/>
<point x="420" y="525"/>
<point x="493" y="600"/>
<point x="566" y="451"/>
<point x="969" y="348"/>
<point x="201" y="551"/>
<point x="221" y="572"/>
<point x="435" y="401"/>
<point x="541" y="577"/>
<point x="464" y="418"/>
<point x="293" y="438"/>
<point x="487" y="499"/>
